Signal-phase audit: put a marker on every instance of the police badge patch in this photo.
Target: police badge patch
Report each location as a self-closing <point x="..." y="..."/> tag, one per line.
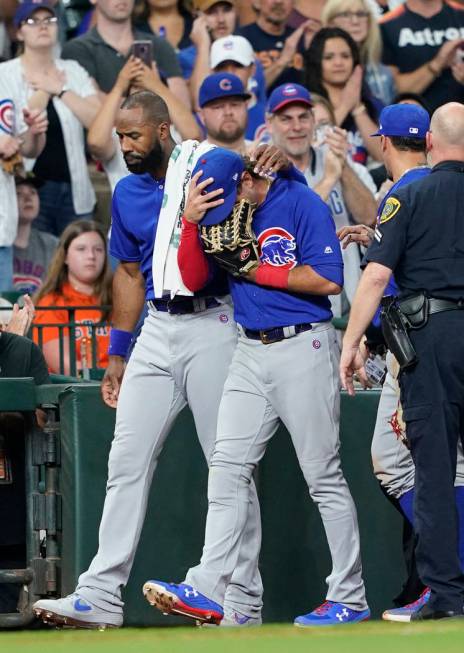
<point x="391" y="208"/>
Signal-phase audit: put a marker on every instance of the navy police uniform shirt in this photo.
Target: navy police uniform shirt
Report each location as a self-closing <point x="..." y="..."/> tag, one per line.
<point x="420" y="234"/>
<point x="406" y="178"/>
<point x="135" y="211"/>
<point x="293" y="227"/>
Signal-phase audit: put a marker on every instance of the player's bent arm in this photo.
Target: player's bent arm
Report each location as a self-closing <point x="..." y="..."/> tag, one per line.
<point x="193" y="265"/>
<point x="305" y="279"/>
<point x="302" y="279"/>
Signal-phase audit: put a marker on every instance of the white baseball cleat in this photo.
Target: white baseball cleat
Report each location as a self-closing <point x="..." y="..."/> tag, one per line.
<point x="76" y="612"/>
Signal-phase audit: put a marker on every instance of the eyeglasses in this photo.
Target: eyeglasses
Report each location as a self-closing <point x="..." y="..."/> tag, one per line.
<point x="36" y="22"/>
<point x="351" y="15"/>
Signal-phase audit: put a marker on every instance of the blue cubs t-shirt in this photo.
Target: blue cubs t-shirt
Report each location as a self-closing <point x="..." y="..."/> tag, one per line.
<point x="293" y="227"/>
<point x="135" y="209"/>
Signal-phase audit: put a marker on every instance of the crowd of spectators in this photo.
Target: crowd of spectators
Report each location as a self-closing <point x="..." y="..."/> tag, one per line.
<point x="309" y="75"/>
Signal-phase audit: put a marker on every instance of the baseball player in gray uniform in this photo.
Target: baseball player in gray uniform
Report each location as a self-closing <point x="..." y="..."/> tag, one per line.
<point x="182" y="339"/>
<point x="285" y="366"/>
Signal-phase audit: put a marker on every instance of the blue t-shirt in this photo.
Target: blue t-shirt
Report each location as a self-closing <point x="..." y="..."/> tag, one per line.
<point x="135" y="211"/>
<point x="407" y="178"/>
<point x="293" y="227"/>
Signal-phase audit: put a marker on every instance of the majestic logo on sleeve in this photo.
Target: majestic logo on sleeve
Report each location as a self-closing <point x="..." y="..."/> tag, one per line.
<point x="277" y="247"/>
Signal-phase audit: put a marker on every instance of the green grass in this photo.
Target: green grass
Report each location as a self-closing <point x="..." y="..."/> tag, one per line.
<point x="375" y="637"/>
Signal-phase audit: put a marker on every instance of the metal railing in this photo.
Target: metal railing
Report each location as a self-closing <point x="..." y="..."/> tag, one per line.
<point x="87" y="344"/>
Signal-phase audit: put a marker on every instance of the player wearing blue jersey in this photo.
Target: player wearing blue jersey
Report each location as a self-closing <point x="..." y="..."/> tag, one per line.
<point x="181" y="357"/>
<point x="284" y="367"/>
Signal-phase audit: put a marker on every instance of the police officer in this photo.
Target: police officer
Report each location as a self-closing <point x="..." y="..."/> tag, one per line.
<point x="420" y="236"/>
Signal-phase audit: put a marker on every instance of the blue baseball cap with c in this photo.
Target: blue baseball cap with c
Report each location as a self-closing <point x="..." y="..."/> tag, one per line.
<point x="288" y="94"/>
<point x="27" y="8"/>
<point x="409" y="120"/>
<point x="226" y="168"/>
<point x="221" y="85"/>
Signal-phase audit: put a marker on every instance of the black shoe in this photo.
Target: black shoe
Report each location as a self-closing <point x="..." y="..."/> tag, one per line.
<point x="427" y="612"/>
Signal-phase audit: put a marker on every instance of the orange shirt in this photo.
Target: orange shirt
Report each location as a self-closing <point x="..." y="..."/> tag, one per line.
<point x="71" y="297"/>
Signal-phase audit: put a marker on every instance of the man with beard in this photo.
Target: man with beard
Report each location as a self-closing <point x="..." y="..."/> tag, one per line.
<point x="224" y="111"/>
<point x="181" y="356"/>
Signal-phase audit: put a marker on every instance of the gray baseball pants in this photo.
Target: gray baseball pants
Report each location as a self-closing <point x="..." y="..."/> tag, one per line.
<point x="295" y="380"/>
<point x="177" y="360"/>
<point x="391" y="459"/>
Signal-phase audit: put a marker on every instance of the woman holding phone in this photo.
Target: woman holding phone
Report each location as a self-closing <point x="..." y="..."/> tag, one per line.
<point x="38" y="79"/>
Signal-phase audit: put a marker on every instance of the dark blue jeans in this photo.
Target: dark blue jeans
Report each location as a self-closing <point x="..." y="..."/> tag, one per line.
<point x="56" y="208"/>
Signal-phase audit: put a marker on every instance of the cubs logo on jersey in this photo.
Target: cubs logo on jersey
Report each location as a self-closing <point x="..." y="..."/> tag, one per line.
<point x="277" y="247"/>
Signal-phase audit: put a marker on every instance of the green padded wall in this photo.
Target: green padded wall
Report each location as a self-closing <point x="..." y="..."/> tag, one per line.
<point x="294" y="560"/>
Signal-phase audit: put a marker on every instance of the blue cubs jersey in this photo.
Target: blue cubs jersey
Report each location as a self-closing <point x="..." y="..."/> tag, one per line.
<point x="293" y="227"/>
<point x="135" y="211"/>
<point x="407" y="178"/>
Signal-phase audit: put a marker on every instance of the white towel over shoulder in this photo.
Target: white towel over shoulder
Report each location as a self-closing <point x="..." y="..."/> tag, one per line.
<point x="167" y="279"/>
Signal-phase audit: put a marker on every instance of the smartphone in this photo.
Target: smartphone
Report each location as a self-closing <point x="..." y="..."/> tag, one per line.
<point x="143" y="50"/>
<point x="460" y="54"/>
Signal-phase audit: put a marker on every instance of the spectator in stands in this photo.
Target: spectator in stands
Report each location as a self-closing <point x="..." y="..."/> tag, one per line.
<point x="105" y="48"/>
<point x="17" y="320"/>
<point x="333" y="70"/>
<point x="357" y="18"/>
<point x="234" y="54"/>
<point x="22" y="133"/>
<point x="79" y="275"/>
<point x="7" y="11"/>
<point x="39" y="80"/>
<point x="279" y="47"/>
<point x="102" y="139"/>
<point x="19" y="357"/>
<point x="223" y="111"/>
<point x="216" y="19"/>
<point x="168" y="19"/>
<point x="422" y="43"/>
<point x="327" y="168"/>
<point x="33" y="249"/>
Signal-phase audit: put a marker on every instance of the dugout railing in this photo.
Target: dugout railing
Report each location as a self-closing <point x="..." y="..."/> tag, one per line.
<point x="67" y="330"/>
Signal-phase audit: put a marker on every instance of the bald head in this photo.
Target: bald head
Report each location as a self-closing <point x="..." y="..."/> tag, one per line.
<point x="446" y="140"/>
<point x="154" y="108"/>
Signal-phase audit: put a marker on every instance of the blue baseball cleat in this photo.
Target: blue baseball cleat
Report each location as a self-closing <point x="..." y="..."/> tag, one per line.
<point x="183" y="600"/>
<point x="332" y="614"/>
<point x="405" y="613"/>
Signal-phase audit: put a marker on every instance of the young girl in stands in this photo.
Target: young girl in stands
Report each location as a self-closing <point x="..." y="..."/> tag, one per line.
<point x="79" y="275"/>
<point x="333" y="70"/>
<point x="357" y="18"/>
